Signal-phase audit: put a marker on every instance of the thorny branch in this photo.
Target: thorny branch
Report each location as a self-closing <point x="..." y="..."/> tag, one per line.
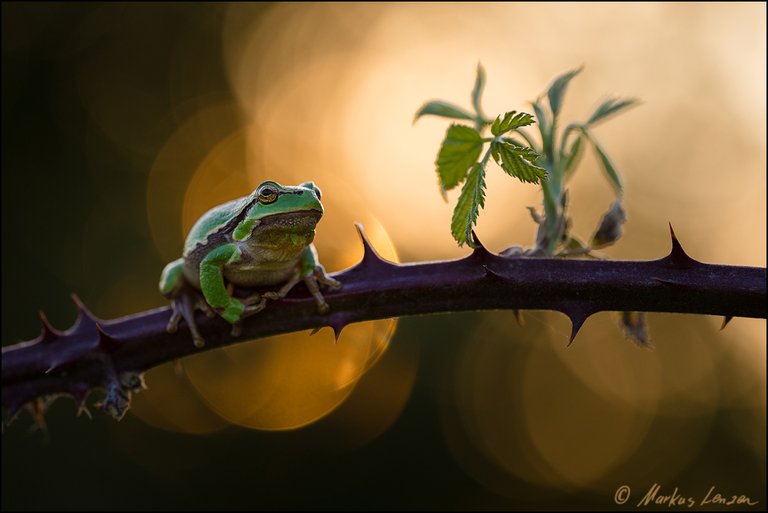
<point x="113" y="354"/>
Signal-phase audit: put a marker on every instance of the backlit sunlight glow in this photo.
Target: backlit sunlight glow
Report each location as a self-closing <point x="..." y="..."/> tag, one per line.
<point x="326" y="92"/>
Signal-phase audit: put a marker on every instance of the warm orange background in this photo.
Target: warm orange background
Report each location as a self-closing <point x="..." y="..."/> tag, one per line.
<point x="122" y="124"/>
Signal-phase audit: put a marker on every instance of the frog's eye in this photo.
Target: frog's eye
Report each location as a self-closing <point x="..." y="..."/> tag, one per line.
<point x="267" y="195"/>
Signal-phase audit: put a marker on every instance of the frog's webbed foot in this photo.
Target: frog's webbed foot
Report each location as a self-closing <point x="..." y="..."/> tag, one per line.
<point x="253" y="304"/>
<point x="312" y="280"/>
<point x="184" y="306"/>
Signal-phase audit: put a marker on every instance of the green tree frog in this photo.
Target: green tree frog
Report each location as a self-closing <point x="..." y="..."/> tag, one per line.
<point x="259" y="240"/>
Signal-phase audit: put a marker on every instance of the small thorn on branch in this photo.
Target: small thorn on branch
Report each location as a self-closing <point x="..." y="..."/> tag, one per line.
<point x="677" y="255"/>
<point x="479" y="252"/>
<point x="577" y="317"/>
<point x="107" y="343"/>
<point x="726" y="320"/>
<point x="85" y="319"/>
<point x="48" y="333"/>
<point x="371" y="257"/>
<point x="490" y="273"/>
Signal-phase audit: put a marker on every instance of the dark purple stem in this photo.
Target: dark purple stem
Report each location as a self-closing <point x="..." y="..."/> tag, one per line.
<point x="112" y="354"/>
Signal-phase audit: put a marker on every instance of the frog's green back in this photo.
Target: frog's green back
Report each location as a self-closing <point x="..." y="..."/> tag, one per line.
<point x="212" y="220"/>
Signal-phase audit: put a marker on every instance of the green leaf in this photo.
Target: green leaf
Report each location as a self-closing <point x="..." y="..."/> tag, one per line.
<point x="477" y="91"/>
<point x="511" y="120"/>
<point x="471" y="200"/>
<point x="609" y="107"/>
<point x="518" y="161"/>
<point x="460" y="149"/>
<point x="545" y="125"/>
<point x="442" y="109"/>
<point x="608" y="168"/>
<point x="575" y="244"/>
<point x="574" y="155"/>
<point x="556" y="91"/>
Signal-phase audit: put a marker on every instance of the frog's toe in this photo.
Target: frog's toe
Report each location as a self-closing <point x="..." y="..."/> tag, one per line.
<point x="251" y="309"/>
<point x="184" y="306"/>
<point x="203" y="305"/>
<point x="173" y="322"/>
<point x="322" y="306"/>
<point x="324" y="279"/>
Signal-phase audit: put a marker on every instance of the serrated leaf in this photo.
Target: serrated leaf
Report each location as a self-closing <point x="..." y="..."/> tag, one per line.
<point x="477" y="91"/>
<point x="574" y="155"/>
<point x="471" y="200"/>
<point x="518" y="161"/>
<point x="510" y="121"/>
<point x="556" y="91"/>
<point x="608" y="168"/>
<point x="609" y="230"/>
<point x="442" y="109"/>
<point x="460" y="149"/>
<point x="609" y="107"/>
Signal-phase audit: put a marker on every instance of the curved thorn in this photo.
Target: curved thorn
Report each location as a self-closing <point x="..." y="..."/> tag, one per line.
<point x="370" y="255"/>
<point x="315" y="330"/>
<point x="678" y="255"/>
<point x="665" y="281"/>
<point x="577" y="321"/>
<point x="84" y="316"/>
<point x="490" y="273"/>
<point x="478" y="249"/>
<point x="726" y="320"/>
<point x="107" y="343"/>
<point x="337" y="325"/>
<point x="48" y="332"/>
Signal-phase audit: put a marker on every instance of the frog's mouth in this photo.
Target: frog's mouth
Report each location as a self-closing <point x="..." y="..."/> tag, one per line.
<point x="303" y="219"/>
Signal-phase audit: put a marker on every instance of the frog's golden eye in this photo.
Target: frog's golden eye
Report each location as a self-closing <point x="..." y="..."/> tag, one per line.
<point x="267" y="195"/>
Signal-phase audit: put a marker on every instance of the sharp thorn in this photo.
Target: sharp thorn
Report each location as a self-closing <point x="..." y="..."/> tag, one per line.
<point x="337" y="324"/>
<point x="678" y="255"/>
<point x="577" y="321"/>
<point x="370" y="255"/>
<point x="107" y="343"/>
<point x="84" y="316"/>
<point x="336" y="332"/>
<point x="48" y="333"/>
<point x="726" y="320"/>
<point x="519" y="317"/>
<point x="665" y="281"/>
<point x="478" y="250"/>
<point x="490" y="273"/>
<point x="314" y="330"/>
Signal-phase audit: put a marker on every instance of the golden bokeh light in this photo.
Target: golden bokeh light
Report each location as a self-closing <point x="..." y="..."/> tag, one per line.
<point x="327" y="93"/>
<point x="281" y="382"/>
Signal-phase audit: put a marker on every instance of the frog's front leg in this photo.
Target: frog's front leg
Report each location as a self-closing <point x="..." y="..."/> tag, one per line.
<point x="185" y="299"/>
<point x="312" y="272"/>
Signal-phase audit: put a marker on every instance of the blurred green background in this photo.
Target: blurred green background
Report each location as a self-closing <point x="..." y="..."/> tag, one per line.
<point x="122" y="123"/>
